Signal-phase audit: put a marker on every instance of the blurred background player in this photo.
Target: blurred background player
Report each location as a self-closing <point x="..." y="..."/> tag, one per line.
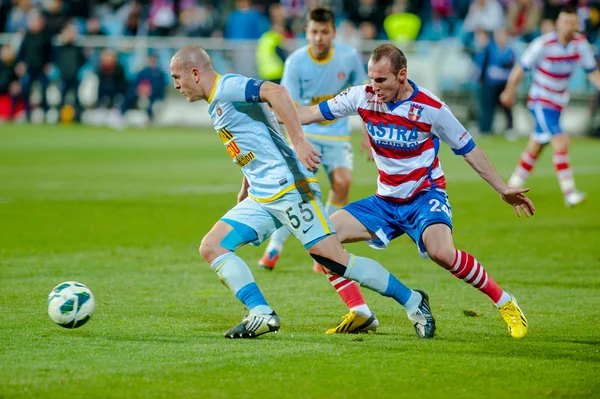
<point x="278" y="189"/>
<point x="314" y="73"/>
<point x="406" y="123"/>
<point x="552" y="58"/>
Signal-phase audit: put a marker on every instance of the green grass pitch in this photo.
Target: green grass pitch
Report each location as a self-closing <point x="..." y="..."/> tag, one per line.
<point x="124" y="213"/>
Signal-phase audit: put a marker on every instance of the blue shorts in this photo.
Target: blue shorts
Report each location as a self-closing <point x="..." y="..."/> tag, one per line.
<point x="547" y="123"/>
<point x="388" y="219"/>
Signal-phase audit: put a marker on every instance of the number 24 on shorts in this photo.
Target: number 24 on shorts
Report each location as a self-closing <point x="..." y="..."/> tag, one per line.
<point x="436" y="207"/>
<point x="306" y="213"/>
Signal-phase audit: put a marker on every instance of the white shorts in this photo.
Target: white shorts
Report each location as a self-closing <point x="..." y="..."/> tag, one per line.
<point x="302" y="214"/>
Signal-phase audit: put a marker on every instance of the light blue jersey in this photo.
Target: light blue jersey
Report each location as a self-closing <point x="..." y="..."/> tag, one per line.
<point x="250" y="133"/>
<point x="311" y="81"/>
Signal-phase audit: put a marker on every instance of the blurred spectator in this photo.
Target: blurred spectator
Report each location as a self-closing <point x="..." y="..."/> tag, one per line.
<point x="79" y="8"/>
<point x="277" y="15"/>
<point x="55" y="16"/>
<point x="162" y="17"/>
<point x="9" y="82"/>
<point x="148" y="88"/>
<point x="199" y="21"/>
<point x="4" y="9"/>
<point x="245" y="22"/>
<point x="589" y="18"/>
<point x="17" y="17"/>
<point x="133" y="21"/>
<point x="487" y="15"/>
<point x="523" y="19"/>
<point x="69" y="61"/>
<point x="367" y="12"/>
<point x="270" y="55"/>
<point x="551" y="9"/>
<point x="94" y="27"/>
<point x="112" y="83"/>
<point x="33" y="60"/>
<point x="494" y="61"/>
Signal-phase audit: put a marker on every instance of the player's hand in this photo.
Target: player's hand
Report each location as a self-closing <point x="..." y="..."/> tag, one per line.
<point x="365" y="145"/>
<point x="516" y="197"/>
<point x="507" y="98"/>
<point x="307" y="154"/>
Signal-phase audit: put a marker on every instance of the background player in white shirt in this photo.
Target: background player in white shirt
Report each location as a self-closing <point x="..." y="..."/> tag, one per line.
<point x="278" y="189"/>
<point x="552" y="58"/>
<point x="406" y="124"/>
<point x="314" y="73"/>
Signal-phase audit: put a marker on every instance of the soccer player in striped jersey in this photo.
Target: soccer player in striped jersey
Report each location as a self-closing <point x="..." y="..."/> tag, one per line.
<point x="552" y="58"/>
<point x="278" y="189"/>
<point x="406" y="123"/>
<point x="313" y="73"/>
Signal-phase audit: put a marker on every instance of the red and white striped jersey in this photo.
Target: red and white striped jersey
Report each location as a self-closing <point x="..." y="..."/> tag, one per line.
<point x="405" y="137"/>
<point x="552" y="64"/>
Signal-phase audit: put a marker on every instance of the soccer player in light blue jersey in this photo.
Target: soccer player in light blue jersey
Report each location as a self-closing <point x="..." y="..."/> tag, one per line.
<point x="278" y="189"/>
<point x="315" y="73"/>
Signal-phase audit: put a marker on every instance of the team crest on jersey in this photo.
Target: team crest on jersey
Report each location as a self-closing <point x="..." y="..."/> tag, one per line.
<point x="414" y="114"/>
<point x="219" y="111"/>
<point x="341" y="75"/>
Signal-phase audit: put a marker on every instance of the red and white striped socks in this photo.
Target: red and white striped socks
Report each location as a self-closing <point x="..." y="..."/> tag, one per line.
<point x="470" y="271"/>
<point x="350" y="293"/>
<point x="523" y="170"/>
<point x="564" y="172"/>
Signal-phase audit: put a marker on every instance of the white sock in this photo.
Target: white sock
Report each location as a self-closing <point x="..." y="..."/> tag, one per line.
<point x="503" y="299"/>
<point x="413" y="302"/>
<point x="362" y="310"/>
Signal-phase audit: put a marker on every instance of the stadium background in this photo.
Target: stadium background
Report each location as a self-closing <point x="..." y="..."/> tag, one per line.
<point x="121" y="205"/>
<point x="438" y="37"/>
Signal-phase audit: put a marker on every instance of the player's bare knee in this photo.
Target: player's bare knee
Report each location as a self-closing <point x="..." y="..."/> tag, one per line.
<point x="209" y="248"/>
<point x="341" y="186"/>
<point x="442" y="256"/>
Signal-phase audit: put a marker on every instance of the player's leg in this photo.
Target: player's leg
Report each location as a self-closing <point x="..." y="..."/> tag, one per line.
<point x="240" y="226"/>
<point x="538" y="139"/>
<point x="433" y="221"/>
<point x="564" y="173"/>
<point x="358" y="222"/>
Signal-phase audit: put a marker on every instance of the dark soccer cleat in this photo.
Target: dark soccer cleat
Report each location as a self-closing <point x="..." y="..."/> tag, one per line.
<point x="254" y="325"/>
<point x="422" y="318"/>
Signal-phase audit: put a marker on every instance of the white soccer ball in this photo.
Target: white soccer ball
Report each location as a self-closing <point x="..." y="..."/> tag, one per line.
<point x="71" y="304"/>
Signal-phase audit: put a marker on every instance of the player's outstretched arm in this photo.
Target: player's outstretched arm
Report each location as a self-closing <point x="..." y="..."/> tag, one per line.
<point x="479" y="161"/>
<point x="282" y="104"/>
<point x="310" y="114"/>
<point x="507" y="97"/>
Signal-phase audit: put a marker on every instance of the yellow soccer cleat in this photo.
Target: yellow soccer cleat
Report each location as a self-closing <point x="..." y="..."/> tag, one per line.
<point x="355" y="323"/>
<point x="514" y="318"/>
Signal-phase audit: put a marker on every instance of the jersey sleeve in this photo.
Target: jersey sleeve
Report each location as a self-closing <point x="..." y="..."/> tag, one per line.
<point x="587" y="59"/>
<point x="239" y="89"/>
<point x="532" y="55"/>
<point x="452" y="132"/>
<point x="291" y="81"/>
<point x="359" y="76"/>
<point x="344" y="104"/>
